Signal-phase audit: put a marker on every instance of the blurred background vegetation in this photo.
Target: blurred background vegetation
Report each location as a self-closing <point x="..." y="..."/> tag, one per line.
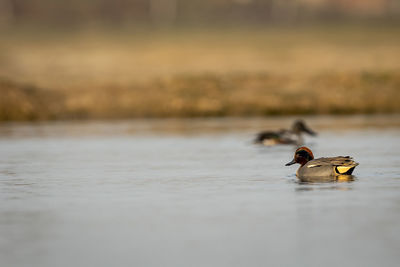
<point x="106" y="59"/>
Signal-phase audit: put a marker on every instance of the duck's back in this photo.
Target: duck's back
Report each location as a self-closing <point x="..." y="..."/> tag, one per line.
<point x="328" y="167"/>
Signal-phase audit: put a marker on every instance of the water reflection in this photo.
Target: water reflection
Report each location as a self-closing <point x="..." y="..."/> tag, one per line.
<point x="340" y="183"/>
<point x="327" y="179"/>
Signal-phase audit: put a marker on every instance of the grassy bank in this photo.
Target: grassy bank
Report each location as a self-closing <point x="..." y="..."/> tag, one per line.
<point x="209" y="95"/>
<point x="199" y="72"/>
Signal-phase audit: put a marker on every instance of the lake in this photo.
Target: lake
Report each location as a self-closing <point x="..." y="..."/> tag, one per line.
<point x="196" y="192"/>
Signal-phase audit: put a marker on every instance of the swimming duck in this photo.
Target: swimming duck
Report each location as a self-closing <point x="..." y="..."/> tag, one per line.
<point x="293" y="136"/>
<point x="321" y="167"/>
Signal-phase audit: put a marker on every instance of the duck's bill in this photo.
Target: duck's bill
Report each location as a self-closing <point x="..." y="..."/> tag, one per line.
<point x="290" y="163"/>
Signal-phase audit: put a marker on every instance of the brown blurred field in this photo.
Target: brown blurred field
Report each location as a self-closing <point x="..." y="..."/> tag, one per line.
<point x="187" y="72"/>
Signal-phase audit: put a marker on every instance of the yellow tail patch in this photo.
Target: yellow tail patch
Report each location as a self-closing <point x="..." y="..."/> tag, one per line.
<point x="343" y="169"/>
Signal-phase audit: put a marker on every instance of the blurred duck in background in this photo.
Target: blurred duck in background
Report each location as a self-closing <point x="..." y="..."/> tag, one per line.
<point x="284" y="136"/>
<point x="322" y="167"/>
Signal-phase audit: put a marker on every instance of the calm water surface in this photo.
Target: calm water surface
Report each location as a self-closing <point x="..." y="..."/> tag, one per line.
<point x="195" y="193"/>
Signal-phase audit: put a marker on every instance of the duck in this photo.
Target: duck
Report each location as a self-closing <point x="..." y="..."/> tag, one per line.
<point x="321" y="167"/>
<point x="284" y="136"/>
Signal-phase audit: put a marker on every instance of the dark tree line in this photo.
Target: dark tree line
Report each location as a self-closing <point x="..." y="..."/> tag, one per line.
<point x="76" y="12"/>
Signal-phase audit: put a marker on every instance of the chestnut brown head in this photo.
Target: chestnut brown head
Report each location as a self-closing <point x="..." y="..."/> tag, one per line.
<point x="302" y="156"/>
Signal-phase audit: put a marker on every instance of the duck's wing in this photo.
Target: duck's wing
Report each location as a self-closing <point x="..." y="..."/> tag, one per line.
<point x="274" y="137"/>
<point x="266" y="135"/>
<point x="341" y="164"/>
<point x="286" y="133"/>
<point x="336" y="161"/>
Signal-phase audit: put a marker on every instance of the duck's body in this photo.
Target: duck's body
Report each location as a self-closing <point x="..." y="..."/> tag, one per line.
<point x="270" y="138"/>
<point x="321" y="167"/>
<point x="284" y="137"/>
<point x="327" y="167"/>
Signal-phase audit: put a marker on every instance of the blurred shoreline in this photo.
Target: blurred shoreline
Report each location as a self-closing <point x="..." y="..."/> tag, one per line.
<point x="200" y="72"/>
<point x="209" y="96"/>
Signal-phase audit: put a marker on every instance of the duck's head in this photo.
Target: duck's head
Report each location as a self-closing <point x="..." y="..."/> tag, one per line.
<point x="299" y="127"/>
<point x="302" y="156"/>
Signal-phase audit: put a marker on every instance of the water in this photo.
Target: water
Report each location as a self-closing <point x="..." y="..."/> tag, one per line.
<point x="195" y="193"/>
